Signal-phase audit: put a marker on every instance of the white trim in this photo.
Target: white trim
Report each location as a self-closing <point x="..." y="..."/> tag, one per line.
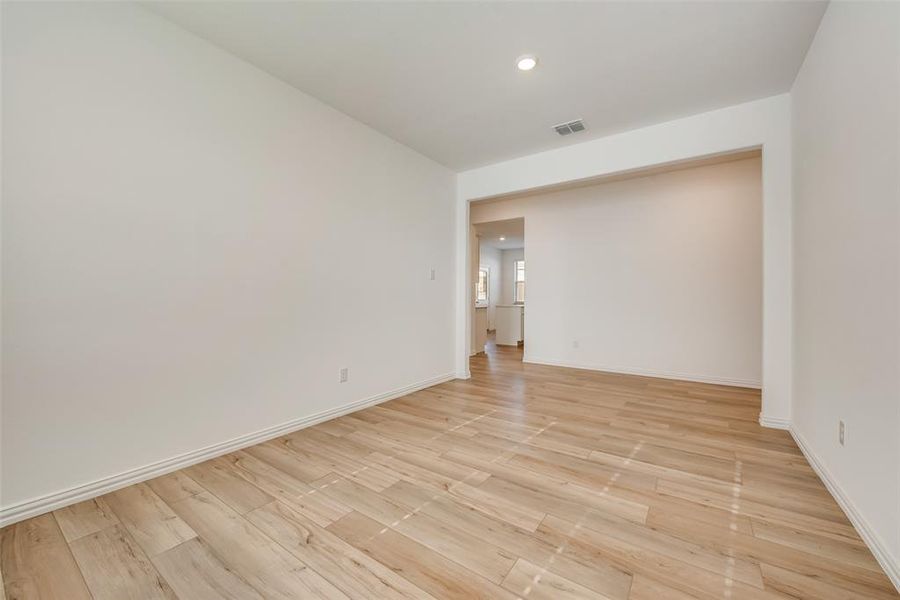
<point x="774" y="422"/>
<point x="879" y="549"/>
<point x="55" y="500"/>
<point x="747" y="383"/>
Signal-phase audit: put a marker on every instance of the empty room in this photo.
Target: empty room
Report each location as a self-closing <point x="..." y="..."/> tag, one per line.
<point x="450" y="300"/>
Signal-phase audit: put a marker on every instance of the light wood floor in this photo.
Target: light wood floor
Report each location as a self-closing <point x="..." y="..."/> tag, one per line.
<point x="525" y="482"/>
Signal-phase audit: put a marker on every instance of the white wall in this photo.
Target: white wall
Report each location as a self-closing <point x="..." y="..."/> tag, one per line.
<point x="846" y="130"/>
<point x="764" y="123"/>
<point x="192" y="249"/>
<point x="658" y="275"/>
<point x="507" y="260"/>
<point x="490" y="258"/>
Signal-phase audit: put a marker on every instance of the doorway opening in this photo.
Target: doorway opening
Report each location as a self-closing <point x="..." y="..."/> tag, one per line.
<point x="499" y="268"/>
<point x="656" y="274"/>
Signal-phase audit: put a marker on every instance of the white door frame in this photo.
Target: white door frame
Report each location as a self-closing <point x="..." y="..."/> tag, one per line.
<point x="763" y="124"/>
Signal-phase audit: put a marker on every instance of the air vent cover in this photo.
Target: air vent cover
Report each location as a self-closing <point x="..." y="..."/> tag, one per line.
<point x="569" y="127"/>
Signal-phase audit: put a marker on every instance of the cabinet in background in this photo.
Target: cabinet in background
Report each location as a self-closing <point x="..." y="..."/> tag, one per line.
<point x="480" y="334"/>
<point x="510" y="321"/>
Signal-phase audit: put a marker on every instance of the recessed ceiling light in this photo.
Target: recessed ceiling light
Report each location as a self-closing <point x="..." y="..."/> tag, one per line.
<point x="526" y="62"/>
<point x="502" y="239"/>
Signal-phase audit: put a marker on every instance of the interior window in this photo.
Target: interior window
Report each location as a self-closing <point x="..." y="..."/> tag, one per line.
<point x="520" y="282"/>
<point x="481" y="291"/>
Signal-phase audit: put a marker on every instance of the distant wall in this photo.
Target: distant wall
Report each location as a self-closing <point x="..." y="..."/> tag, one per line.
<point x="490" y="257"/>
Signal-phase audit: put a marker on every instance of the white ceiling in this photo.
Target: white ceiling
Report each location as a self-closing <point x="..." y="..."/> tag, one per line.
<point x="440" y="77"/>
<point x="512" y="229"/>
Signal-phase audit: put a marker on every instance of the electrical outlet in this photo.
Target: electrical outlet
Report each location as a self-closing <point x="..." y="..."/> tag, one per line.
<point x="841" y="432"/>
<point x="575" y="344"/>
<point x="432" y="273"/>
<point x="345" y="374"/>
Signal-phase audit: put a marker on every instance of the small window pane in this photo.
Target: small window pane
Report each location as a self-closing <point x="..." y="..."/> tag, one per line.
<point x="481" y="291"/>
<point x="520" y="282"/>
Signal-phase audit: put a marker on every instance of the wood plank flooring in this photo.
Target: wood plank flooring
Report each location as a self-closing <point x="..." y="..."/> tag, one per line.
<point x="523" y="483"/>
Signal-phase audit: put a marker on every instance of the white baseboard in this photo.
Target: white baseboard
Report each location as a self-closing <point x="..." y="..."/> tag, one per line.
<point x="50" y="502"/>
<point x="746" y="383"/>
<point x="775" y="423"/>
<point x="890" y="564"/>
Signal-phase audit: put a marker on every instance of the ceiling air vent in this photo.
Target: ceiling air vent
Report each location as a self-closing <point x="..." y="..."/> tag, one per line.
<point x="570" y="127"/>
